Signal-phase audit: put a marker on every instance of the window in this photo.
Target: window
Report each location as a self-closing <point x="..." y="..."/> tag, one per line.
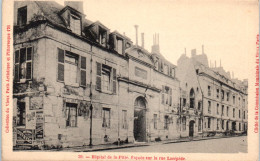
<point x="23" y="64"/>
<point x="69" y="68"/>
<point x="75" y="24"/>
<point x="209" y="91"/>
<point x="199" y="105"/>
<point x="166" y="69"/>
<point x="209" y="122"/>
<point x="22" y="16"/>
<point x="222" y="95"/>
<point x="217" y="124"/>
<point x="192" y="98"/>
<point x="184" y="102"/>
<point x="106" y="117"/>
<point x="200" y="125"/>
<point x="102" y="37"/>
<point x="244" y="102"/>
<point x="209" y="107"/>
<point x="239" y="101"/>
<point x="234" y="99"/>
<point x="106" y="78"/>
<point x="233" y="112"/>
<point x="217" y="109"/>
<point x="239" y="113"/>
<point x="244" y="114"/>
<point x="184" y="123"/>
<point x="71" y="114"/>
<point x="124" y="119"/>
<point x="20" y="121"/>
<point x="172" y="72"/>
<point x="239" y="126"/>
<point x="222" y="112"/>
<point x="223" y="124"/>
<point x="217" y="93"/>
<point x="156" y="65"/>
<point x="140" y="73"/>
<point x="227" y="96"/>
<point x="167" y="95"/>
<point x="166" y="122"/>
<point x="227" y="110"/>
<point x="119" y="46"/>
<point x="155" y="121"/>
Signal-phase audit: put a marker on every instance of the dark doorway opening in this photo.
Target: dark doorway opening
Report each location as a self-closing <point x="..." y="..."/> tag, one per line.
<point x="233" y="126"/>
<point x="191" y="128"/>
<point x="140" y="119"/>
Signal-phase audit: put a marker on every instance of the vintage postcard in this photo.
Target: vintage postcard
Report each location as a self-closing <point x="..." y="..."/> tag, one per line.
<point x="167" y="80"/>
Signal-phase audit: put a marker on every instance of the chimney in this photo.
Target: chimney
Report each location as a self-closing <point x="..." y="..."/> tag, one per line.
<point x="156" y="47"/>
<point x="136" y="35"/>
<point x="77" y="5"/>
<point x="193" y="52"/>
<point x="142" y="36"/>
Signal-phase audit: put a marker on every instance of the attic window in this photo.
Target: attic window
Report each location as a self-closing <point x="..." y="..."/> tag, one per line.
<point x="75" y="24"/>
<point x="102" y="36"/>
<point x="22" y="16"/>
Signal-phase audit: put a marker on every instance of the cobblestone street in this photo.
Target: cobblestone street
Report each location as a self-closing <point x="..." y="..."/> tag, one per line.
<point x="224" y="145"/>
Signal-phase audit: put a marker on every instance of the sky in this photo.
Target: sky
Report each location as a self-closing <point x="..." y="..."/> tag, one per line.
<point x="226" y="28"/>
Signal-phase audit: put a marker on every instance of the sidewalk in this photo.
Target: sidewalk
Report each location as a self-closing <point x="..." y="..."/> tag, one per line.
<point x="137" y="144"/>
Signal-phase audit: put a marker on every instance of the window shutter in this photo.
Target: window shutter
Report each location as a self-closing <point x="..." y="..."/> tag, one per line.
<point x="83" y="73"/>
<point x="114" y="80"/>
<point x="171" y="71"/>
<point x="17" y="64"/>
<point x="29" y="63"/>
<point x="98" y="79"/>
<point x="60" y="65"/>
<point x="163" y="88"/>
<point x="170" y="96"/>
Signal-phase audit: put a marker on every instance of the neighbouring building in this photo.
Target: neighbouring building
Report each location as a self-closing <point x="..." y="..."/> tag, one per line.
<point x="212" y="102"/>
<point x="77" y="83"/>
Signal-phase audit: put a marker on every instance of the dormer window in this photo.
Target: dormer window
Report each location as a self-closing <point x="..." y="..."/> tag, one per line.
<point x="102" y="36"/>
<point x="119" y="48"/>
<point x="75" y="24"/>
<point x="22" y="16"/>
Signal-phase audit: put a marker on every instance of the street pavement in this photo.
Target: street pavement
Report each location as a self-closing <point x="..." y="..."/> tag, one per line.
<point x="223" y="145"/>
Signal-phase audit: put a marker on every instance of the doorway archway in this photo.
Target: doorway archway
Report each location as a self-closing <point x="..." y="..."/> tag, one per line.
<point x="191" y="128"/>
<point x="140" y="119"/>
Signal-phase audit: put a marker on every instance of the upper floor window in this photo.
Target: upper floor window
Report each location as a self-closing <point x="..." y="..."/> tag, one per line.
<point x="71" y="114"/>
<point x="166" y="69"/>
<point x="244" y="102"/>
<point x="192" y="98"/>
<point x="209" y="107"/>
<point x="234" y="112"/>
<point x="172" y="72"/>
<point x="209" y="91"/>
<point x="239" y="115"/>
<point x="227" y="110"/>
<point x="222" y="94"/>
<point x="239" y="101"/>
<point x="23" y="64"/>
<point x="119" y="46"/>
<point x="75" y="24"/>
<point x="69" y="67"/>
<point x="234" y="99"/>
<point x="222" y="112"/>
<point x="106" y="117"/>
<point x="102" y="36"/>
<point x="217" y="109"/>
<point x="227" y="96"/>
<point x="244" y="115"/>
<point x="167" y="95"/>
<point x="22" y="16"/>
<point x="106" y="78"/>
<point x="217" y="93"/>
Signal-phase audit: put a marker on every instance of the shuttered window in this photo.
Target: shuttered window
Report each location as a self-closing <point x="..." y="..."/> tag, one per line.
<point x="163" y="90"/>
<point x="83" y="73"/>
<point x="105" y="78"/>
<point x="23" y="64"/>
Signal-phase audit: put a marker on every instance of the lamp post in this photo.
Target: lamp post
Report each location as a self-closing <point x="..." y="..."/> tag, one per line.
<point x="90" y="131"/>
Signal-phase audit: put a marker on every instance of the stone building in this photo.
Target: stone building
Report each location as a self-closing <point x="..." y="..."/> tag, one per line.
<point x="78" y="83"/>
<point x="212" y="102"/>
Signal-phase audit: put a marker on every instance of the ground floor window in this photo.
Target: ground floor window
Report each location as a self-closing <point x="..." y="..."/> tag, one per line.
<point x="155" y="121"/>
<point x="217" y="124"/>
<point x="124" y="119"/>
<point x="166" y="122"/>
<point x="20" y="113"/>
<point x="222" y="124"/>
<point x="184" y="123"/>
<point x="209" y="122"/>
<point x="200" y="125"/>
<point x="71" y="114"/>
<point x="106" y="117"/>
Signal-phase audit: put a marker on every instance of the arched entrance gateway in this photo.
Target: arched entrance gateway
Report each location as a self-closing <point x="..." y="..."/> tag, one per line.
<point x="191" y="128"/>
<point x="140" y="119"/>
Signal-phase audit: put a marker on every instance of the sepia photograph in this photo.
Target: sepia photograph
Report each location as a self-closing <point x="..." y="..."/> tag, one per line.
<point x="130" y="80"/>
